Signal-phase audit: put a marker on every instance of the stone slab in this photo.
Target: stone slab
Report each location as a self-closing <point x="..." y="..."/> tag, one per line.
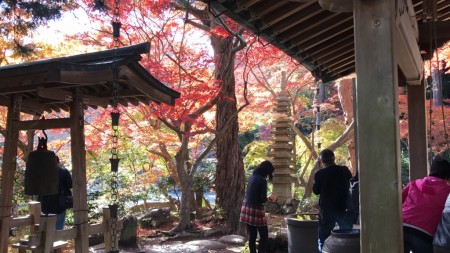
<point x="208" y="244"/>
<point x="175" y="248"/>
<point x="232" y="239"/>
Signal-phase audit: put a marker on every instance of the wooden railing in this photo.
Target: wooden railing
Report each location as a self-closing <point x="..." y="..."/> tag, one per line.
<point x="44" y="237"/>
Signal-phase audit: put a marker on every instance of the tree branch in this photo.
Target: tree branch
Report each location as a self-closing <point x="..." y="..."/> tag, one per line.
<point x="182" y="68"/>
<point x="343" y="138"/>
<point x="205" y="107"/>
<point x="199" y="26"/>
<point x="305" y="140"/>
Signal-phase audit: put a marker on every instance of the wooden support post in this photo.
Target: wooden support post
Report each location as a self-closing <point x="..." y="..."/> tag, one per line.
<point x="377" y="126"/>
<point x="80" y="208"/>
<point x="417" y="126"/>
<point x="34" y="209"/>
<point x="355" y="125"/>
<point x="8" y="171"/>
<point x="107" y="232"/>
<point x="47" y="231"/>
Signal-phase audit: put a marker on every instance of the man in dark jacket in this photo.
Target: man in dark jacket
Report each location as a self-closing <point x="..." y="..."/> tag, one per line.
<point x="332" y="184"/>
<point x="55" y="204"/>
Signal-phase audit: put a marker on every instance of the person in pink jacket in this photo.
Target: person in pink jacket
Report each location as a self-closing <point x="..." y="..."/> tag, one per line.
<point x="423" y="201"/>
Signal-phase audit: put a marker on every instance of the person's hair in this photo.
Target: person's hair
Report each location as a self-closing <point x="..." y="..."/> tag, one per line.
<point x="326" y="156"/>
<point x="440" y="168"/>
<point x="265" y="169"/>
<point x="57" y="159"/>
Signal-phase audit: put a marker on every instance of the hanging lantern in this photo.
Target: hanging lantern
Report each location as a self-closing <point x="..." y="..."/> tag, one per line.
<point x="41" y="173"/>
<point x="116" y="29"/>
<point x="114" y="164"/>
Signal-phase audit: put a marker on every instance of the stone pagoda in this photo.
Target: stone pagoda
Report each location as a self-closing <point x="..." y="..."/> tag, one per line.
<point x="282" y="149"/>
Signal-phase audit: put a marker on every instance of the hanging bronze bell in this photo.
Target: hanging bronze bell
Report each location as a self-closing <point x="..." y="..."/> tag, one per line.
<point x="41" y="173"/>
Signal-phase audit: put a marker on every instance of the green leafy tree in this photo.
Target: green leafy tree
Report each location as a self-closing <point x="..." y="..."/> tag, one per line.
<point x="18" y="20"/>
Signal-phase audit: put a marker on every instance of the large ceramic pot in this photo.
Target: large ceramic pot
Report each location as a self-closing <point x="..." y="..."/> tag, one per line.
<point x="342" y="241"/>
<point x="302" y="235"/>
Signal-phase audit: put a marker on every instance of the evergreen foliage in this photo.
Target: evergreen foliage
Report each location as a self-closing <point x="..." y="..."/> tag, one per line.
<point x="18" y="20"/>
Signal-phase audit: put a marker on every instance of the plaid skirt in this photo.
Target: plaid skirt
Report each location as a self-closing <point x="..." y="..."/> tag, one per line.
<point x="253" y="215"/>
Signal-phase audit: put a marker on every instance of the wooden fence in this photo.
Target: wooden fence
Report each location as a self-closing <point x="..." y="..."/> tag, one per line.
<point x="44" y="238"/>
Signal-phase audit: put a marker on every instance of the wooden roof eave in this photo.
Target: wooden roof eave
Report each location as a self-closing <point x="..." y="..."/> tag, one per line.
<point x="58" y="74"/>
<point x="298" y="28"/>
<point x="49" y="83"/>
<point x="140" y="73"/>
<point x="101" y="56"/>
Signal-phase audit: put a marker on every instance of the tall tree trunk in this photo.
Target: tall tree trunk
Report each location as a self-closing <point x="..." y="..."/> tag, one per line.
<point x="230" y="176"/>
<point x="186" y="185"/>
<point x="185" y="210"/>
<point x="199" y="198"/>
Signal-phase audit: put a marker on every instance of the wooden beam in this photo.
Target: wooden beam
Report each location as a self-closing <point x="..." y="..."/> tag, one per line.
<point x="331" y="34"/>
<point x="244" y="5"/>
<point x="377" y="127"/>
<point x="333" y="45"/>
<point x="33" y="105"/>
<point x="308" y="10"/>
<point x="407" y="50"/>
<point x="42" y="124"/>
<point x="440" y="35"/>
<point x="11" y="89"/>
<point x="21" y="221"/>
<point x="337" y="6"/>
<point x="78" y="152"/>
<point x="324" y="32"/>
<point x="266" y="7"/>
<point x="65" y="95"/>
<point x="20" y="81"/>
<point x="417" y="127"/>
<point x="8" y="171"/>
<point x="28" y="105"/>
<point x="123" y="93"/>
<point x="54" y="93"/>
<point x="100" y="76"/>
<point x="281" y="14"/>
<point x="66" y="234"/>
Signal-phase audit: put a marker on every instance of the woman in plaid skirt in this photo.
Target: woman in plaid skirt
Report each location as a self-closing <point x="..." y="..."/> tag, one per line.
<point x="252" y="211"/>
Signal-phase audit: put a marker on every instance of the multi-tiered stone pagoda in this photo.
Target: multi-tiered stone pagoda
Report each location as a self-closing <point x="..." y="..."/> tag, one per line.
<point x="282" y="149"/>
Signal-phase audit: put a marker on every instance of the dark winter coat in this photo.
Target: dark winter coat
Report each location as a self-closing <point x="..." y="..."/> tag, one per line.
<point x="51" y="203"/>
<point x="332" y="184"/>
<point x="256" y="194"/>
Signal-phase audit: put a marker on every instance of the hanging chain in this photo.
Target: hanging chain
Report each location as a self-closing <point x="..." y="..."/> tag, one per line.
<point x="115" y="114"/>
<point x="439" y="77"/>
<point x="430" y="126"/>
<point x="317" y="103"/>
